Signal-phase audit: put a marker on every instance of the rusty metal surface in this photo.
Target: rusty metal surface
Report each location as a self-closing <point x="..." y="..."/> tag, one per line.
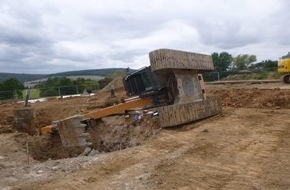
<point x="71" y="131"/>
<point x="120" y="108"/>
<point x="173" y="59"/>
<point x="178" y="114"/>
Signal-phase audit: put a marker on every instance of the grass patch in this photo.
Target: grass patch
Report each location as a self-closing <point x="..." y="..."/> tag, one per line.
<point x="34" y="93"/>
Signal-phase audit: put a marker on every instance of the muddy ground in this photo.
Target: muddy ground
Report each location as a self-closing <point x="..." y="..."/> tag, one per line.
<point x="246" y="147"/>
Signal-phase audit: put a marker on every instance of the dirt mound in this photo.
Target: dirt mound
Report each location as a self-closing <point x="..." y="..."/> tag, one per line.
<point x="118" y="84"/>
<point x="253" y="76"/>
<point x="119" y="132"/>
<point x="253" y="98"/>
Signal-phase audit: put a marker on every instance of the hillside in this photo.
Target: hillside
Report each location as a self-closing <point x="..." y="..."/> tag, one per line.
<point x="30" y="77"/>
<point x="21" y="77"/>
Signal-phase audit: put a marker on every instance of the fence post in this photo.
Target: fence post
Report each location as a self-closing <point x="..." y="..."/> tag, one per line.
<point x="26" y="98"/>
<point x="59" y="93"/>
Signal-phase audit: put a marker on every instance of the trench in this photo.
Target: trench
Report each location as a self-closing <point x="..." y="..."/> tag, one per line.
<point x="112" y="133"/>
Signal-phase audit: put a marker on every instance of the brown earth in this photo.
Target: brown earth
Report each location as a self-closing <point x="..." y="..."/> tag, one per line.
<point x="246" y="147"/>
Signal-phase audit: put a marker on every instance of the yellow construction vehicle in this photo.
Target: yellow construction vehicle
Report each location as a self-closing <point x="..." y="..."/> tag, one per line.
<point x="172" y="84"/>
<point x="284" y="67"/>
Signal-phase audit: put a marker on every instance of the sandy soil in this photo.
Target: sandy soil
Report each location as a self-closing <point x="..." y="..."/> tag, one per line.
<point x="246" y="147"/>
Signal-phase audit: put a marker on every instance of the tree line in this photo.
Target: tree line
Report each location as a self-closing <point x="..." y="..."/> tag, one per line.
<point x="56" y="86"/>
<point x="13" y="89"/>
<point x="224" y="62"/>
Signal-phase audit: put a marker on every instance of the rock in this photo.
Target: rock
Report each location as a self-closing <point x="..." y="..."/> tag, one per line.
<point x="205" y="131"/>
<point x="55" y="168"/>
<point x="86" y="151"/>
<point x="93" y="152"/>
<point x="39" y="171"/>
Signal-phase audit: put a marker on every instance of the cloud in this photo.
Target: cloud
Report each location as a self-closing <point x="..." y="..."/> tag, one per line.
<point x="60" y="35"/>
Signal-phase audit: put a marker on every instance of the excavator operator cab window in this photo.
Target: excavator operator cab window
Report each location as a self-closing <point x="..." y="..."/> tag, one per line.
<point x="140" y="82"/>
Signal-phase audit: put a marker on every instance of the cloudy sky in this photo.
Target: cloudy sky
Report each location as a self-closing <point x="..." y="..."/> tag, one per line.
<point x="48" y="36"/>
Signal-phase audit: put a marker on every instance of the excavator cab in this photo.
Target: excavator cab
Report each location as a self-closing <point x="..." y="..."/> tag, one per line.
<point x="141" y="82"/>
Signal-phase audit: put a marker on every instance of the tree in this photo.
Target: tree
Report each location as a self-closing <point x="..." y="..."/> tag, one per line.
<point x="270" y="65"/>
<point x="221" y="61"/>
<point x="243" y="61"/>
<point x="11" y="88"/>
<point x="65" y="86"/>
<point x="266" y="65"/>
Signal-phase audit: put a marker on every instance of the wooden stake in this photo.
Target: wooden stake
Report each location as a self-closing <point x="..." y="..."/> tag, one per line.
<point x="27" y="149"/>
<point x="227" y="102"/>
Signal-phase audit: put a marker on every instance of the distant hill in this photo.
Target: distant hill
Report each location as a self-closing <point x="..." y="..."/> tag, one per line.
<point x="31" y="77"/>
<point x="21" y="77"/>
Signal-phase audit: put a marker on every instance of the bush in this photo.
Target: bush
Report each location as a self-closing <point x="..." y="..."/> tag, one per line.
<point x="48" y="92"/>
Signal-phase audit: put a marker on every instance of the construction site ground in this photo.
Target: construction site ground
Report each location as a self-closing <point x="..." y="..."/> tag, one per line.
<point x="246" y="147"/>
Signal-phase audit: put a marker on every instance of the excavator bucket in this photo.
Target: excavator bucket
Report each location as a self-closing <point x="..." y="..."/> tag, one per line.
<point x="72" y="131"/>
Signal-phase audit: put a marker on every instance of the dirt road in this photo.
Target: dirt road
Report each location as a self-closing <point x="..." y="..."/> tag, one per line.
<point x="247" y="147"/>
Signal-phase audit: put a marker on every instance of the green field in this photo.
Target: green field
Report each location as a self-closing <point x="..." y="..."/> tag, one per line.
<point x="34" y="93"/>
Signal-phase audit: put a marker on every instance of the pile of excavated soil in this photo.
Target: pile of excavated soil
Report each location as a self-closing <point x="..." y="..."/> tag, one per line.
<point x="253" y="98"/>
<point x="116" y="82"/>
<point x="119" y="132"/>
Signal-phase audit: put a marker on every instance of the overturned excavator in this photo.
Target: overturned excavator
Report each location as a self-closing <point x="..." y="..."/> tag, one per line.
<point x="172" y="84"/>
